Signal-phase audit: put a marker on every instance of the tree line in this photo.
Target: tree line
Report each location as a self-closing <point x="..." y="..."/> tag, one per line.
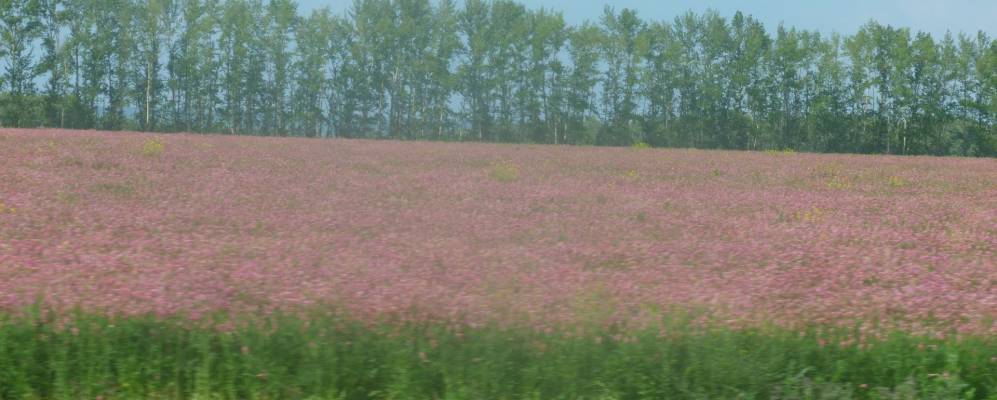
<point x="493" y="71"/>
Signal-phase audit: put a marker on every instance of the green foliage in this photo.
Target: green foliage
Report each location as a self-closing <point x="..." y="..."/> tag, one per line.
<point x="115" y="188"/>
<point x="504" y="172"/>
<point x="494" y="71"/>
<point x="91" y="356"/>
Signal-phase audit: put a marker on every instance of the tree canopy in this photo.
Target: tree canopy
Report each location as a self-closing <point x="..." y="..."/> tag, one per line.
<point x="493" y="71"/>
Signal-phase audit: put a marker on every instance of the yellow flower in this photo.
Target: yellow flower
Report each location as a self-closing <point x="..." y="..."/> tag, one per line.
<point x="153" y="147"/>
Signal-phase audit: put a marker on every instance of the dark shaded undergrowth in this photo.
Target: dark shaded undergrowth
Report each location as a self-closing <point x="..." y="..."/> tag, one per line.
<point x="324" y="357"/>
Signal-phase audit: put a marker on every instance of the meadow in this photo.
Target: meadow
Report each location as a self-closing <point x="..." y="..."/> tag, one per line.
<point x="209" y="266"/>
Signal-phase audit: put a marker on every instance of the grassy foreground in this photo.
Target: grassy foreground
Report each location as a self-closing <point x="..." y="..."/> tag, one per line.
<point x="326" y="358"/>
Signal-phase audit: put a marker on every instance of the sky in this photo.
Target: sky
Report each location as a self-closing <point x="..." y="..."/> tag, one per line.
<point x="842" y="16"/>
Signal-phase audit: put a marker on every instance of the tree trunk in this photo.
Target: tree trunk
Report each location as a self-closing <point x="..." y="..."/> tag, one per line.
<point x="148" y="92"/>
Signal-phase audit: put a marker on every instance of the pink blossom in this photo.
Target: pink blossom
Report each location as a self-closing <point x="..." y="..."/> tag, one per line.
<point x="402" y="231"/>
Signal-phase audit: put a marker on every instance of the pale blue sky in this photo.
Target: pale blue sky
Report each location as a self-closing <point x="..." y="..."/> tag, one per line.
<point x="844" y="16"/>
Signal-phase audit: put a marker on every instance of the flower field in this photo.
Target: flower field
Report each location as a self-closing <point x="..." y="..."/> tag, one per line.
<point x="574" y="244"/>
<point x="479" y="234"/>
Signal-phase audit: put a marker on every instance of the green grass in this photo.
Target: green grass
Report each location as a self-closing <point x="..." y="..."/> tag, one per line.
<point x="330" y="358"/>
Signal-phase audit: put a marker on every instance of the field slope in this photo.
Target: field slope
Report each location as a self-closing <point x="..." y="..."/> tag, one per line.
<point x="529" y="239"/>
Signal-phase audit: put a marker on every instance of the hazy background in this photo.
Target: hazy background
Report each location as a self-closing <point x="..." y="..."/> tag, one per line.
<point x="845" y="16"/>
